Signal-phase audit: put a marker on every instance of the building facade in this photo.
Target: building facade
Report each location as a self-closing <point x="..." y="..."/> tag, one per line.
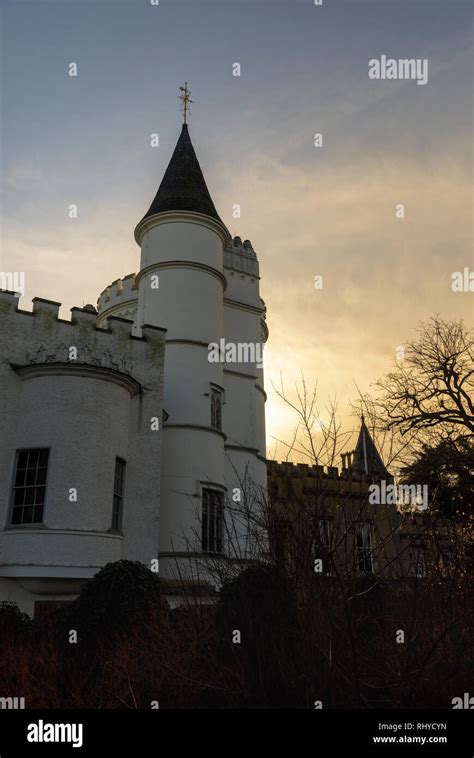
<point x="128" y="428"/>
<point x="353" y="522"/>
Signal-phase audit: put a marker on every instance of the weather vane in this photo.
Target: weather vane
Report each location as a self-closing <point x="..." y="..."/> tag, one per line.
<point x="185" y="100"/>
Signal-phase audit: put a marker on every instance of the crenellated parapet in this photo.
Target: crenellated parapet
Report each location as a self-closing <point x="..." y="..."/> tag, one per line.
<point x="90" y="397"/>
<point x="118" y="299"/>
<point x="41" y="337"/>
<point x="287" y="477"/>
<point x="124" y="287"/>
<point x="302" y="470"/>
<point x="241" y="257"/>
<point x="241" y="270"/>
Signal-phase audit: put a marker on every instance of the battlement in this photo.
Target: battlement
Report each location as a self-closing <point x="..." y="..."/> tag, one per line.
<point x="287" y="469"/>
<point x="118" y="294"/>
<point x="40" y="336"/>
<point x="245" y="247"/>
<point x="240" y="256"/>
<point x="298" y="470"/>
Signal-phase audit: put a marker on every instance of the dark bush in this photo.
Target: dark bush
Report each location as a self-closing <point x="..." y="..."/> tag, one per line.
<point x="266" y="663"/>
<point x="120" y="597"/>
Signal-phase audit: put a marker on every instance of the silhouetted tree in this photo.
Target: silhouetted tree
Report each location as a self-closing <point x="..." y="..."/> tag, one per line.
<point x="432" y="385"/>
<point x="448" y="470"/>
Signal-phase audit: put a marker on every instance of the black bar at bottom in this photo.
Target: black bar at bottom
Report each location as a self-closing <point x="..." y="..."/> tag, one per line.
<point x="380" y="732"/>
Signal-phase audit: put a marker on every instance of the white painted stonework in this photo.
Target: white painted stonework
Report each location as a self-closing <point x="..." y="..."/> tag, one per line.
<point x="144" y="355"/>
<point x="87" y="412"/>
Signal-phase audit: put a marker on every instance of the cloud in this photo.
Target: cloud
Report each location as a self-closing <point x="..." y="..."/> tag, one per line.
<point x="23" y="176"/>
<point x="381" y="275"/>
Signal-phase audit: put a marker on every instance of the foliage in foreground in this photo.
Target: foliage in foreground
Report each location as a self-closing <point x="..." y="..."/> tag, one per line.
<point x="339" y="650"/>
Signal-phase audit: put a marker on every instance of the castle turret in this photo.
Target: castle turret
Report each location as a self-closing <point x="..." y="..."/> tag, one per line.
<point x="214" y="411"/>
<point x="181" y="283"/>
<point x="131" y="429"/>
<point x="366" y="457"/>
<point x="244" y="411"/>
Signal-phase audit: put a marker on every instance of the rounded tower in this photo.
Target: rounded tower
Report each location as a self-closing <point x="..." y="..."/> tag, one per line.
<point x="181" y="284"/>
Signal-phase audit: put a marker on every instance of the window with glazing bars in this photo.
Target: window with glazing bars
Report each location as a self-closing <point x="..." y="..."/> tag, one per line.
<point x="364" y="549"/>
<point x="29" y="489"/>
<point x="212" y="520"/>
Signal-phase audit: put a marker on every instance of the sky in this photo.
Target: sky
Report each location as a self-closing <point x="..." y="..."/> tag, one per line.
<point x="309" y="211"/>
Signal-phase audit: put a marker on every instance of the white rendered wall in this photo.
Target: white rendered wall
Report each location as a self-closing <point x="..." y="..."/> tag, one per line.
<point x="244" y="412"/>
<point x="186" y="252"/>
<point x="64" y="413"/>
<point x="88" y="413"/>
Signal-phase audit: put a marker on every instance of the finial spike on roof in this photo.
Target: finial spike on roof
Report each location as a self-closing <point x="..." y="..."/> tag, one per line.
<point x="185" y="101"/>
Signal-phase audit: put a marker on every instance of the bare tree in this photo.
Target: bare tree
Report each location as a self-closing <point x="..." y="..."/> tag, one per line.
<point x="432" y="386"/>
<point x="315" y="440"/>
<point x="385" y="623"/>
<point x="413" y="582"/>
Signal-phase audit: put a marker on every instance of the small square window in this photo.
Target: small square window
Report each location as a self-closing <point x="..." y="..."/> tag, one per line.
<point x="22" y="458"/>
<point x="43" y="458"/>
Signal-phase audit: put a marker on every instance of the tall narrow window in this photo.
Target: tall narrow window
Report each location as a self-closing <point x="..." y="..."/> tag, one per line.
<point x="364" y="549"/>
<point x="119" y="481"/>
<point x="419" y="564"/>
<point x="322" y="545"/>
<point x="216" y="408"/>
<point x="29" y="489"/>
<point x="325" y="533"/>
<point x="212" y="521"/>
<point x="280" y="534"/>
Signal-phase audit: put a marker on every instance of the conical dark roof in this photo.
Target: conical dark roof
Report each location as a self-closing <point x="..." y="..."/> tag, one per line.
<point x="183" y="187"/>
<point x="366" y="456"/>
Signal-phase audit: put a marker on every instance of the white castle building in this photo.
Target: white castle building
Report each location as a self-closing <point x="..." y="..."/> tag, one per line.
<point x="121" y="434"/>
